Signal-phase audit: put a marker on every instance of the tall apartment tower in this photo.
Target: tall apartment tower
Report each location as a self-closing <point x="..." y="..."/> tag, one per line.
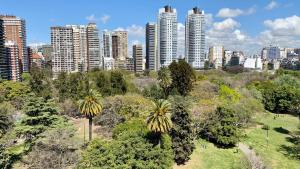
<point x="15" y="30"/>
<point x="63" y="50"/>
<point x="107" y="44"/>
<point x="152" y="61"/>
<point x="120" y="45"/>
<point x="12" y="53"/>
<point x="216" y="55"/>
<point x="137" y="52"/>
<point x="80" y="47"/>
<point x="93" y="47"/>
<point x="4" y="69"/>
<point x="167" y="35"/>
<point x="195" y="38"/>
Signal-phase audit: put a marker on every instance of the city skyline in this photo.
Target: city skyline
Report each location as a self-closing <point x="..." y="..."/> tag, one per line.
<point x="248" y="25"/>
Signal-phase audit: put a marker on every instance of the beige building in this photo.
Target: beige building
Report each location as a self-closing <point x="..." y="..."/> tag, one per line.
<point x="120" y="45"/>
<point x="12" y="54"/>
<point x="216" y="55"/>
<point x="137" y="51"/>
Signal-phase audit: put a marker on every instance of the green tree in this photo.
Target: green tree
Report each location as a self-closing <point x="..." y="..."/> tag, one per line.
<point x="103" y="83"/>
<point x="6" y="121"/>
<point x="118" y="83"/>
<point x="90" y="107"/>
<point x="159" y="121"/>
<point x="61" y="83"/>
<point x="165" y="80"/>
<point x="183" y="76"/>
<point x="222" y="128"/>
<point x="39" y="83"/>
<point x="182" y="134"/>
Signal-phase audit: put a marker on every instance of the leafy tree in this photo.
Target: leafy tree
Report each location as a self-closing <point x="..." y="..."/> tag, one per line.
<point x="103" y="83"/>
<point x="165" y="80"/>
<point x="90" y="107"/>
<point x="159" y="121"/>
<point x="5" y="159"/>
<point x="131" y="148"/>
<point x="222" y="128"/>
<point x="118" y="83"/>
<point x="154" y="92"/>
<point x="61" y="84"/>
<point x="228" y="95"/>
<point x="183" y="76"/>
<point x="39" y="83"/>
<point x="182" y="134"/>
<point x="5" y="117"/>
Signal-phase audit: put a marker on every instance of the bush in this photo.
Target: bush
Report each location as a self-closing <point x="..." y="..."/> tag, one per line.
<point x="129" y="150"/>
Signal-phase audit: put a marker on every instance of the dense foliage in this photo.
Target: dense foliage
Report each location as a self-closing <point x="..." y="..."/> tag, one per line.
<point x="131" y="149"/>
<point x="183" y="77"/>
<point x="182" y="134"/>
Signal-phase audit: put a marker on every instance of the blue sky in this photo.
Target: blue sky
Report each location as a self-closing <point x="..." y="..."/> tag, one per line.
<point x="237" y="24"/>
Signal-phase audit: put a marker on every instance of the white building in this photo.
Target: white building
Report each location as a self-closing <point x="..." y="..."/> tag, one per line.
<point x="195" y="38"/>
<point x="283" y="53"/>
<point x="216" y="55"/>
<point x="80" y="47"/>
<point x="271" y="52"/>
<point x="253" y="63"/>
<point x="108" y="63"/>
<point x="227" y="57"/>
<point x="93" y="45"/>
<point x="107" y="44"/>
<point x="152" y="61"/>
<point x="167" y="35"/>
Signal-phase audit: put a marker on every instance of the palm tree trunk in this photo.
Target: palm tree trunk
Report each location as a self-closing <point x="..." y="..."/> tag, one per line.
<point x="90" y="128"/>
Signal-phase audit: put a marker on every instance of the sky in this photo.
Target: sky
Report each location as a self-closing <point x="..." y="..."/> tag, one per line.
<point x="245" y="25"/>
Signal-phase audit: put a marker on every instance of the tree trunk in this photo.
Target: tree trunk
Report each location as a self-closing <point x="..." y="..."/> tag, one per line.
<point x="90" y="128"/>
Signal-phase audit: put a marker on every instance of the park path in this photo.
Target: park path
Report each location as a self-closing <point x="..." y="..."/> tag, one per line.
<point x="255" y="160"/>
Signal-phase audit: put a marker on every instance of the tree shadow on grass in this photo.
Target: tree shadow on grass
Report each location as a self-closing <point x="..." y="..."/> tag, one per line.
<point x="292" y="151"/>
<point x="281" y="130"/>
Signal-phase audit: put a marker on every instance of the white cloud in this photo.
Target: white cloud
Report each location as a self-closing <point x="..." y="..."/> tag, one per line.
<point x="209" y="18"/>
<point x="231" y="13"/>
<point x="105" y="19"/>
<point x="289" y="26"/>
<point x="228" y="24"/>
<point x="133" y="30"/>
<point x="91" y="18"/>
<point x="272" y="5"/>
<point x="239" y="35"/>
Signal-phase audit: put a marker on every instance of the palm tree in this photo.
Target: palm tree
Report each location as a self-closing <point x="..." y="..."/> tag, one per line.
<point x="165" y="79"/>
<point x="91" y="107"/>
<point x="159" y="120"/>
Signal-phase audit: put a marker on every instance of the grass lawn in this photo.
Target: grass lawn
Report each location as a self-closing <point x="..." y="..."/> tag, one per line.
<point x="280" y="128"/>
<point x="212" y="157"/>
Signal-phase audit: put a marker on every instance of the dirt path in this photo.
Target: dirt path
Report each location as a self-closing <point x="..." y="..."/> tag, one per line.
<point x="255" y="161"/>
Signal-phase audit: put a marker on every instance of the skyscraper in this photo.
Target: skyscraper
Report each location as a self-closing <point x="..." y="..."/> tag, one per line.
<point x="137" y="51"/>
<point x="167" y="35"/>
<point x="12" y="53"/>
<point x="63" y="50"/>
<point x="15" y="30"/>
<point x="80" y="47"/>
<point x="93" y="47"/>
<point x="4" y="69"/>
<point x="107" y="44"/>
<point x="120" y="45"/>
<point x="216" y="55"/>
<point x="195" y="38"/>
<point x="152" y="61"/>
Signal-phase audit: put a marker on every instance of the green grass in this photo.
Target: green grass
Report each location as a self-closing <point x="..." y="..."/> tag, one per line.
<point x="212" y="157"/>
<point x="272" y="154"/>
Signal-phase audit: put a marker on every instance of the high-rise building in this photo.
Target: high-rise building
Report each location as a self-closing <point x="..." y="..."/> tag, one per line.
<point x="271" y="53"/>
<point x="46" y="51"/>
<point x="29" y="55"/>
<point x="63" y="50"/>
<point x="12" y="53"/>
<point x="4" y="69"/>
<point x="93" y="47"/>
<point x="152" y="62"/>
<point x="120" y="45"/>
<point x="195" y="38"/>
<point x="227" y="57"/>
<point x="137" y="51"/>
<point x="80" y="47"/>
<point x="107" y="44"/>
<point x="15" y="30"/>
<point x="167" y="35"/>
<point x="216" y="55"/>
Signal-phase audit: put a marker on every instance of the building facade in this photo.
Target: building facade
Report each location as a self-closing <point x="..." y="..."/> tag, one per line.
<point x="93" y="47"/>
<point x="216" y="55"/>
<point x="14" y="29"/>
<point x="12" y="53"/>
<point x="63" y="50"/>
<point x="137" y="51"/>
<point x="195" y="38"/>
<point x="80" y="47"/>
<point x="271" y="53"/>
<point x="152" y="61"/>
<point x="107" y="44"/>
<point x="167" y="35"/>
<point x="120" y="45"/>
<point x="4" y="69"/>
